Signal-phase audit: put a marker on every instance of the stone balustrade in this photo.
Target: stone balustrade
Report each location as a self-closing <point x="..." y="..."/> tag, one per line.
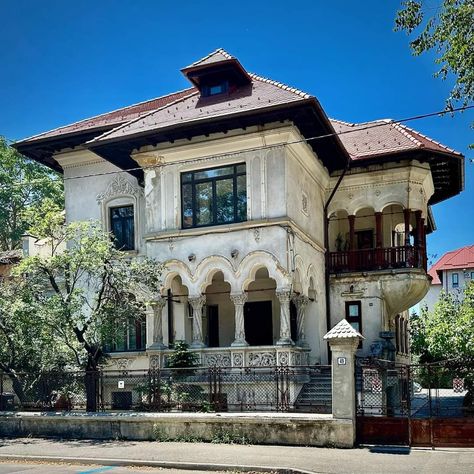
<point x="250" y="356"/>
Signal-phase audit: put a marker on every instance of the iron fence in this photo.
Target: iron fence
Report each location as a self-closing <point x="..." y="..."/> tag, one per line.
<point x="275" y="388"/>
<point x="439" y="389"/>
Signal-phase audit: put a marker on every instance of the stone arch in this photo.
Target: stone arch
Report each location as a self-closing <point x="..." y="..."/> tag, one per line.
<point x="211" y="265"/>
<point x="175" y="268"/>
<point x="257" y="260"/>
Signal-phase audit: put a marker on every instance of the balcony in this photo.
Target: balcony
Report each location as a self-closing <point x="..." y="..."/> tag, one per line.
<point x="373" y="259"/>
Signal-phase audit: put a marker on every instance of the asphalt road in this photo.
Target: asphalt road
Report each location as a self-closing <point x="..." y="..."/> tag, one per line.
<point x="46" y="468"/>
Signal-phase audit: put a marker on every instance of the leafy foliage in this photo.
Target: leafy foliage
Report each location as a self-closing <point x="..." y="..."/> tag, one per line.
<point x="447" y="332"/>
<point x="24" y="186"/>
<point x="86" y="292"/>
<point x="182" y="357"/>
<point x="450" y="33"/>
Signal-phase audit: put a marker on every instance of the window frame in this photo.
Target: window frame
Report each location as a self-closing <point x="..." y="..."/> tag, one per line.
<point x="140" y="338"/>
<point x="455" y="284"/>
<point x="206" y="89"/>
<point x="355" y="319"/>
<point x="110" y="210"/>
<point x="213" y="180"/>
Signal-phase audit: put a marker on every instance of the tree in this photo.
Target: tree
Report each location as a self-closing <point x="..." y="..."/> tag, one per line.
<point x="87" y="292"/>
<point x="448" y="30"/>
<point x="24" y="185"/>
<point x="27" y="348"/>
<point x="447" y="333"/>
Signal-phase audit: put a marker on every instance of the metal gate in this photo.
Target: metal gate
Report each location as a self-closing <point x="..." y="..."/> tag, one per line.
<point x="415" y="405"/>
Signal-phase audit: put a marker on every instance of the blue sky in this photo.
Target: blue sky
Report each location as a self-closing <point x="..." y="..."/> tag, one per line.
<point x="63" y="61"/>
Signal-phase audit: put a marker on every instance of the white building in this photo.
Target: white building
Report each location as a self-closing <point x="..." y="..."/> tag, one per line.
<point x="451" y="273"/>
<point x="273" y="222"/>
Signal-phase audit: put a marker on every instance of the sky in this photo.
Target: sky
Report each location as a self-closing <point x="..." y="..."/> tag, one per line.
<point x="62" y="61"/>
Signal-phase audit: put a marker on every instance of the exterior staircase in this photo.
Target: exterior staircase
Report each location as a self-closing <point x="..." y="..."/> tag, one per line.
<point x="316" y="394"/>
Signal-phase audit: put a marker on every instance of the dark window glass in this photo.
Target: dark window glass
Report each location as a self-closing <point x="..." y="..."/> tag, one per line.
<point x="214" y="196"/>
<point x="214" y="89"/>
<point x="122" y="227"/>
<point x="132" y="337"/>
<point x="455" y="280"/>
<point x="354" y="316"/>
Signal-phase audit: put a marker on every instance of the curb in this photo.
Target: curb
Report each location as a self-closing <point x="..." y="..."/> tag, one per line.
<point x="150" y="463"/>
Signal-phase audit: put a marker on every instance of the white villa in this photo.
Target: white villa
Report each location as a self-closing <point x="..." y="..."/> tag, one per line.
<point x="272" y="221"/>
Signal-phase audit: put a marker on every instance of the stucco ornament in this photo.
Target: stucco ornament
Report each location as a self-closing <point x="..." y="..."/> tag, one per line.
<point x="300" y="302"/>
<point x="123" y="364"/>
<point x="119" y="186"/>
<point x="239" y="301"/>
<point x="197" y="302"/>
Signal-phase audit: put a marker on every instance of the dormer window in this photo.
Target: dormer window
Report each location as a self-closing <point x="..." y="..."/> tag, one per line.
<point x="215" y="89"/>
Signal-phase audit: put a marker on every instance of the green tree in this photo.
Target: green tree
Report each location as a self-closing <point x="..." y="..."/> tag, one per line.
<point x="24" y="185"/>
<point x="448" y="30"/>
<point x="447" y="333"/>
<point x="27" y="347"/>
<point x="85" y="293"/>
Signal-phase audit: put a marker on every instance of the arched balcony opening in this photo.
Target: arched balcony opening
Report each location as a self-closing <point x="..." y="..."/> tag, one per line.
<point x="369" y="240"/>
<point x="218" y="314"/>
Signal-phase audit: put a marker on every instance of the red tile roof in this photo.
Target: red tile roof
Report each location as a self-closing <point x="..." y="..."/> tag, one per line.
<point x="456" y="259"/>
<point x="380" y="137"/>
<point x="216" y="56"/>
<point x="260" y="94"/>
<point x="115" y="117"/>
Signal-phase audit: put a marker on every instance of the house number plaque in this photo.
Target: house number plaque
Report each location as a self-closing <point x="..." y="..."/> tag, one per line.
<point x="121" y="384"/>
<point x="341" y="361"/>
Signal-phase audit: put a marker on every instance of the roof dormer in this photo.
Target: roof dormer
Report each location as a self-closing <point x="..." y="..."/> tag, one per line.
<point x="216" y="74"/>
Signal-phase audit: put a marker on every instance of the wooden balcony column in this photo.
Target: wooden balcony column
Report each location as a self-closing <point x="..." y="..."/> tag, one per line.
<point x="378" y="239"/>
<point x="418" y="237"/>
<point x="351" y="256"/>
<point x="407" y="215"/>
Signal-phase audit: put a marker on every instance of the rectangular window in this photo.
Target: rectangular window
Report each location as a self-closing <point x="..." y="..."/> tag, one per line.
<point x="122" y="226"/>
<point x="131" y="338"/>
<point x="214" y="196"/>
<point x="455" y="280"/>
<point x="354" y="316"/>
<point x="472" y="276"/>
<point x="214" y="89"/>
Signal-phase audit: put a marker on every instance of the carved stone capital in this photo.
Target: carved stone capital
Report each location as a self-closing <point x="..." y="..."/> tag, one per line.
<point x="238" y="298"/>
<point x="148" y="161"/>
<point x="283" y="295"/>
<point x="197" y="302"/>
<point x="158" y="303"/>
<point x="300" y="301"/>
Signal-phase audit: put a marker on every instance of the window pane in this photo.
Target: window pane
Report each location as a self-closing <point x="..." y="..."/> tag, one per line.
<point x="187" y="205"/>
<point x="186" y="177"/>
<point x="122" y="227"/>
<point x="132" y="336"/>
<point x="225" y="200"/>
<point x="241" y="168"/>
<point x="356" y="326"/>
<point x="204" y="203"/>
<point x="228" y="170"/>
<point x="354" y="310"/>
<point x="241" y="198"/>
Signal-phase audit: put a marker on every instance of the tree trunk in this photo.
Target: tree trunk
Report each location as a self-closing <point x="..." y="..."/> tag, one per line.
<point x="17" y="387"/>
<point x="92" y="384"/>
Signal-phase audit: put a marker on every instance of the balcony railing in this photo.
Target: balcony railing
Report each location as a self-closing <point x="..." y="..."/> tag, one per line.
<point x="364" y="260"/>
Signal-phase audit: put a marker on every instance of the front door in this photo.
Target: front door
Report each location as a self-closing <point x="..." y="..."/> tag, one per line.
<point x="258" y="323"/>
<point x="213" y="326"/>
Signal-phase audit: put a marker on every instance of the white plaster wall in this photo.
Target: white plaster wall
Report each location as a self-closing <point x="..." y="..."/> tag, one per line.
<point x="81" y="193"/>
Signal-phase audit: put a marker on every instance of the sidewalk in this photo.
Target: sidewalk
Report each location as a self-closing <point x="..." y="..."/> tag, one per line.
<point x="207" y="456"/>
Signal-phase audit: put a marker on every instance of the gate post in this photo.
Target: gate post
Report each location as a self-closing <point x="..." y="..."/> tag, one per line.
<point x="344" y="340"/>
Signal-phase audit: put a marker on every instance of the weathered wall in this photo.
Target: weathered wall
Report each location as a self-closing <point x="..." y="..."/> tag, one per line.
<point x="306" y="430"/>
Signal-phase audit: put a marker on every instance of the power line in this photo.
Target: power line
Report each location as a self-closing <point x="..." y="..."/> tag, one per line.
<point x="265" y="147"/>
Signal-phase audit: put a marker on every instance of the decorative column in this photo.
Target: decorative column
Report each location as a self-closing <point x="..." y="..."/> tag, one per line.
<point x="300" y="301"/>
<point x="406" y="215"/>
<point x="157" y="305"/>
<point x="351" y="232"/>
<point x="285" y="329"/>
<point x="197" y="302"/>
<point x="344" y="340"/>
<point x="418" y="239"/>
<point x="351" y="256"/>
<point x="239" y="302"/>
<point x="378" y="239"/>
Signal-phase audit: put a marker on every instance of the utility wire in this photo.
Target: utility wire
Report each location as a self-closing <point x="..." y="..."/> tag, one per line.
<point x="265" y="147"/>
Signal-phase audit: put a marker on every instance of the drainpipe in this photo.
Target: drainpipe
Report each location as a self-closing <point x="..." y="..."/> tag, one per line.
<point x="326" y="246"/>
